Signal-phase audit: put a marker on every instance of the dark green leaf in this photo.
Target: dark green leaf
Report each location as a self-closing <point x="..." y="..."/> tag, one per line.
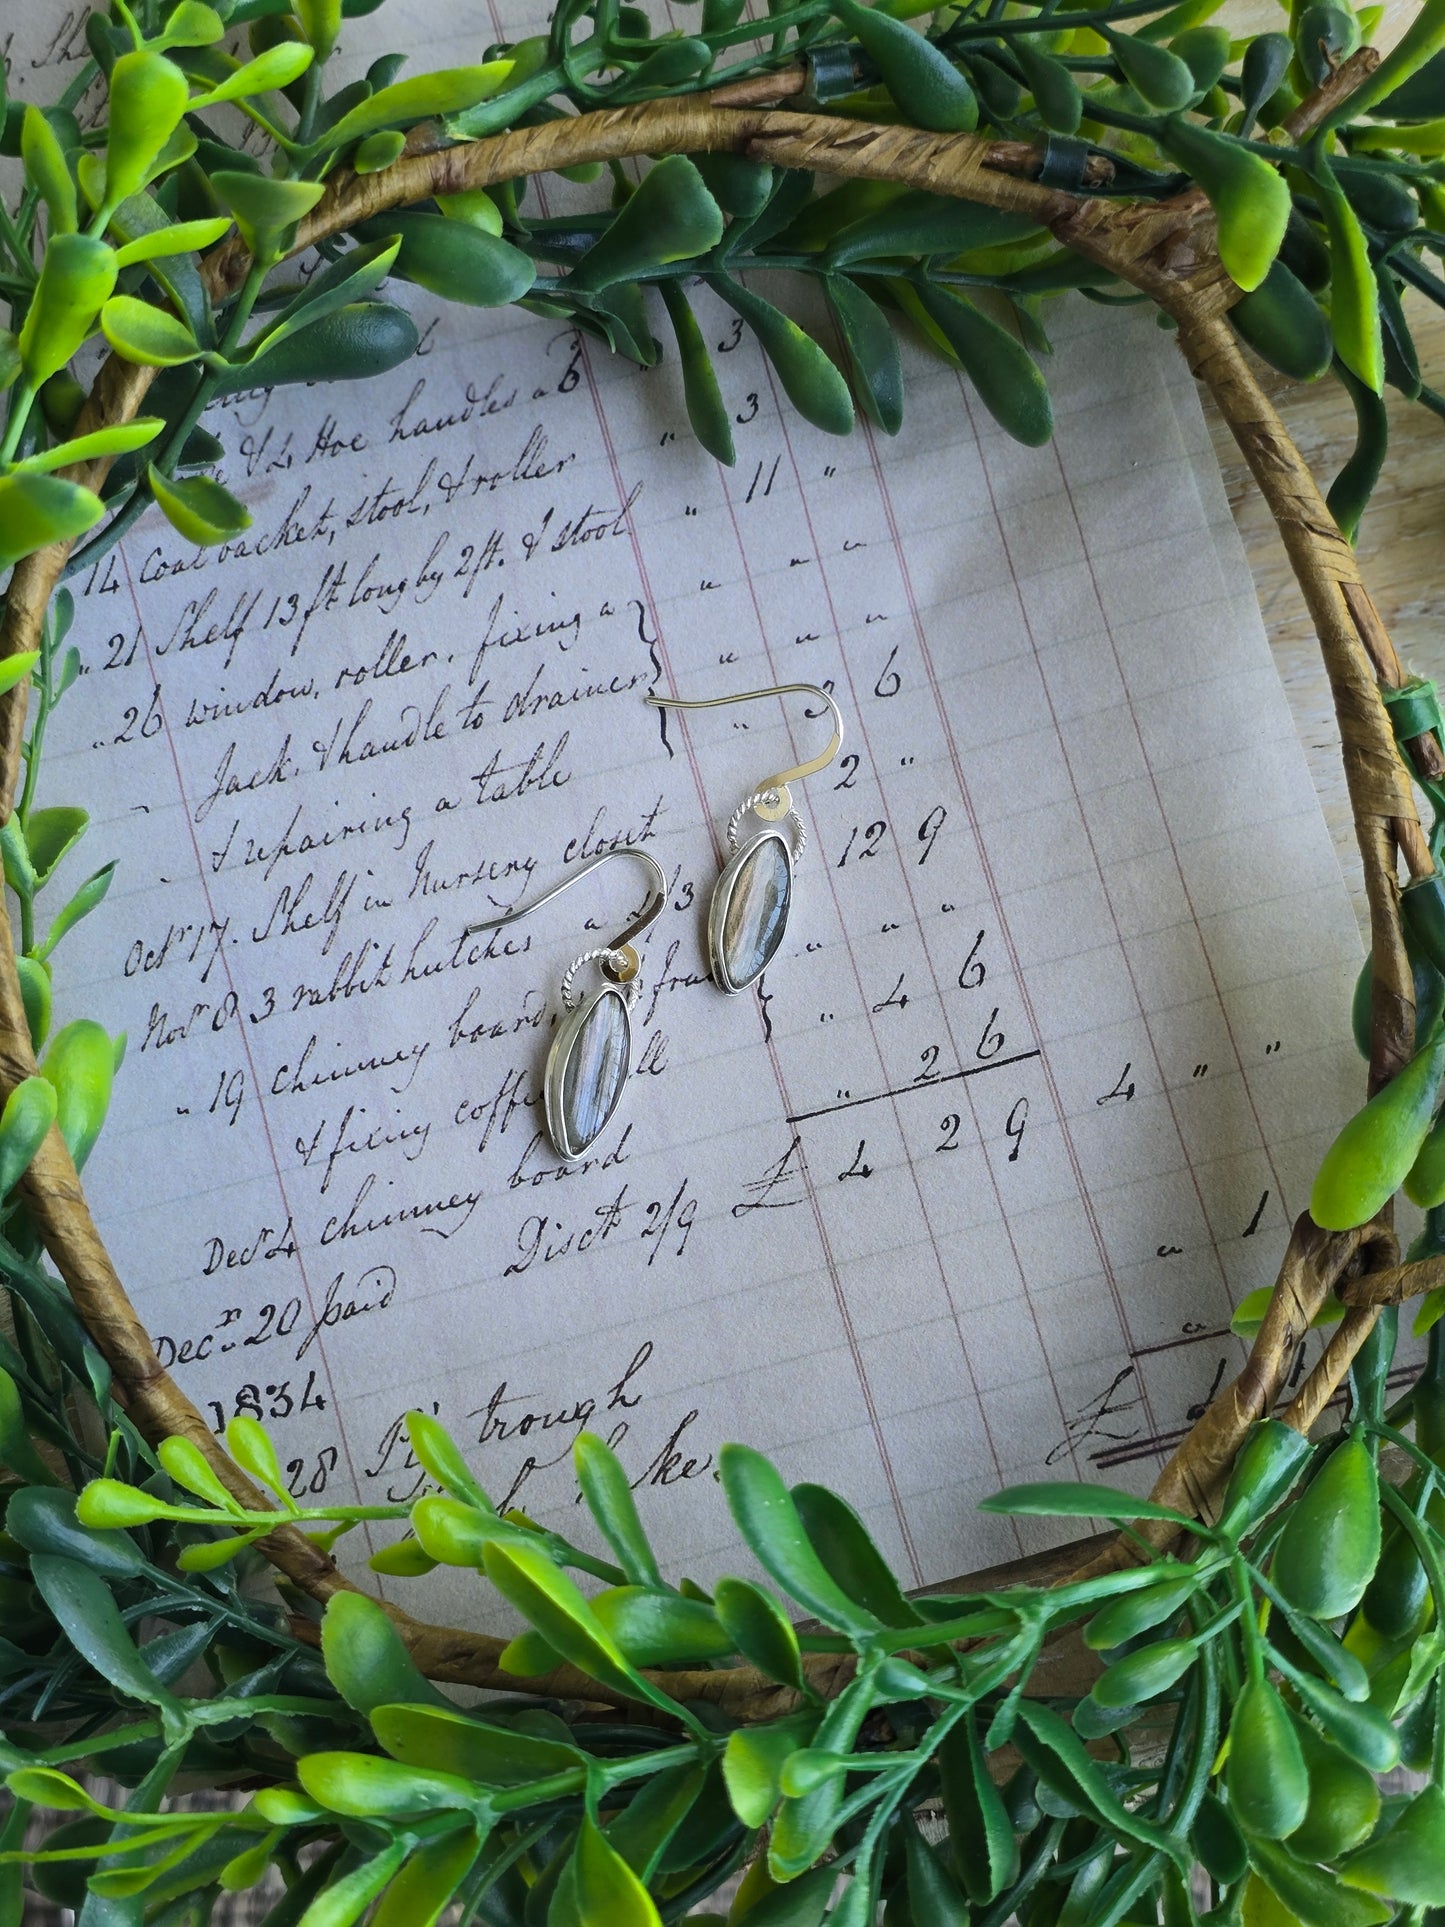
<point x="841" y="1541"/>
<point x="997" y="363"/>
<point x="90" y="1619"/>
<point x="874" y="361"/>
<point x="671" y="217"/>
<point x="706" y="409"/>
<point x="365" y="339"/>
<point x="809" y="378"/>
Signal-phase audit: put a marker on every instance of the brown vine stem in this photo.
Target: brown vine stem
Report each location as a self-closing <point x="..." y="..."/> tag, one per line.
<point x="1168" y="251"/>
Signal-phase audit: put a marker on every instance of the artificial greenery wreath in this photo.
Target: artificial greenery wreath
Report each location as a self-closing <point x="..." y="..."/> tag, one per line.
<point x="1270" y="1626"/>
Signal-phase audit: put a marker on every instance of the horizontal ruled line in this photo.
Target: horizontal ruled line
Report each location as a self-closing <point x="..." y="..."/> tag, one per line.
<point x="925" y="1084"/>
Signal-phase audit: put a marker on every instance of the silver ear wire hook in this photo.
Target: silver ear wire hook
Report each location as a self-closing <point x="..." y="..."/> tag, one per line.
<point x="619" y="959"/>
<point x="772" y="800"/>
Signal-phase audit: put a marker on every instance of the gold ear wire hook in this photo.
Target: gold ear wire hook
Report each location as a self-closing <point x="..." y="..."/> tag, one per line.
<point x="784" y="777"/>
<point x="622" y="943"/>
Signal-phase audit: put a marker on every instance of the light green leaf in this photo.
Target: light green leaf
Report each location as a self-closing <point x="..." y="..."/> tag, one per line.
<point x="264" y="208"/>
<point x="423" y="97"/>
<point x="185" y="237"/>
<point x="192" y="24"/>
<point x="46" y="165"/>
<point x="14" y="669"/>
<point x="1061" y="1500"/>
<point x="183" y="1461"/>
<point x="608" y="1892"/>
<point x="120" y="440"/>
<point x="199" y="508"/>
<point x="36" y="510"/>
<point x="138" y="332"/>
<point x="278" y="66"/>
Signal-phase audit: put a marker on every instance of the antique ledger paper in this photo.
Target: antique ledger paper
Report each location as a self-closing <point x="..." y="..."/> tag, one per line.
<point x="967" y="1192"/>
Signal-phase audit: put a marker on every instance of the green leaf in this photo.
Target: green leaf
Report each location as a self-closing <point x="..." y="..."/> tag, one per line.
<point x="1002" y="370"/>
<point x="423" y="97"/>
<point x="769" y="1521"/>
<point x="191" y="24"/>
<point x="364" y="1787"/>
<point x="810" y="380"/>
<point x="488" y="1753"/>
<point x="24" y="1125"/>
<point x="35" y="993"/>
<point x="1160" y="78"/>
<point x="551" y="1603"/>
<point x="341" y="282"/>
<point x="645" y="1828"/>
<point x="184" y="1462"/>
<point x="934" y="1900"/>
<point x="46" y="165"/>
<point x="457" y="260"/>
<point x="36" y="510"/>
<point x="145" y="334"/>
<point x="51" y="834"/>
<point x="110" y="1502"/>
<point x="1406" y="1863"/>
<point x="365" y="338"/>
<point x="15" y="669"/>
<point x="87" y="897"/>
<point x="753" y="1763"/>
<point x="1056" y="93"/>
<point x="199" y="508"/>
<point x="1062" y="1500"/>
<point x="608" y="1493"/>
<point x="706" y="409"/>
<point x="366" y="1658"/>
<point x="871" y="348"/>
<point x="671" y="217"/>
<point x="1250" y="198"/>
<point x="264" y="209"/>
<point x="919" y="223"/>
<point x="842" y="1542"/>
<point x="346" y="1900"/>
<point x="529" y="1656"/>
<point x="980" y="1832"/>
<point x="148" y="96"/>
<point x="608" y="1892"/>
<point x="1421" y="41"/>
<point x="1048" y="1745"/>
<point x="277" y="67"/>
<point x="655" y="1628"/>
<point x="17" y="1451"/>
<point x="421" y="1892"/>
<point x="123" y="439"/>
<point x="439" y="1456"/>
<point x="76" y="275"/>
<point x="1311" y="1897"/>
<point x="183" y="237"/>
<point x="249" y="1444"/>
<point x="42" y="1786"/>
<point x="80" y="1063"/>
<point x="1354" y="293"/>
<point x="87" y="1614"/>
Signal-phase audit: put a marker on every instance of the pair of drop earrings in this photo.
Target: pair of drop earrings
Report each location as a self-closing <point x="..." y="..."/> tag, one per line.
<point x="589" y="1058"/>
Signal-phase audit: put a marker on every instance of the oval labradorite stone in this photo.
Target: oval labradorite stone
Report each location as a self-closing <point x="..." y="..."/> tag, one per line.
<point x="596" y="1069"/>
<point x="757" y="912"/>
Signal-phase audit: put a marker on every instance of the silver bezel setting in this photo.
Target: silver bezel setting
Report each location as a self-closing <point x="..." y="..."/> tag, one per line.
<point x="555" y="1076"/>
<point x="722" y="897"/>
